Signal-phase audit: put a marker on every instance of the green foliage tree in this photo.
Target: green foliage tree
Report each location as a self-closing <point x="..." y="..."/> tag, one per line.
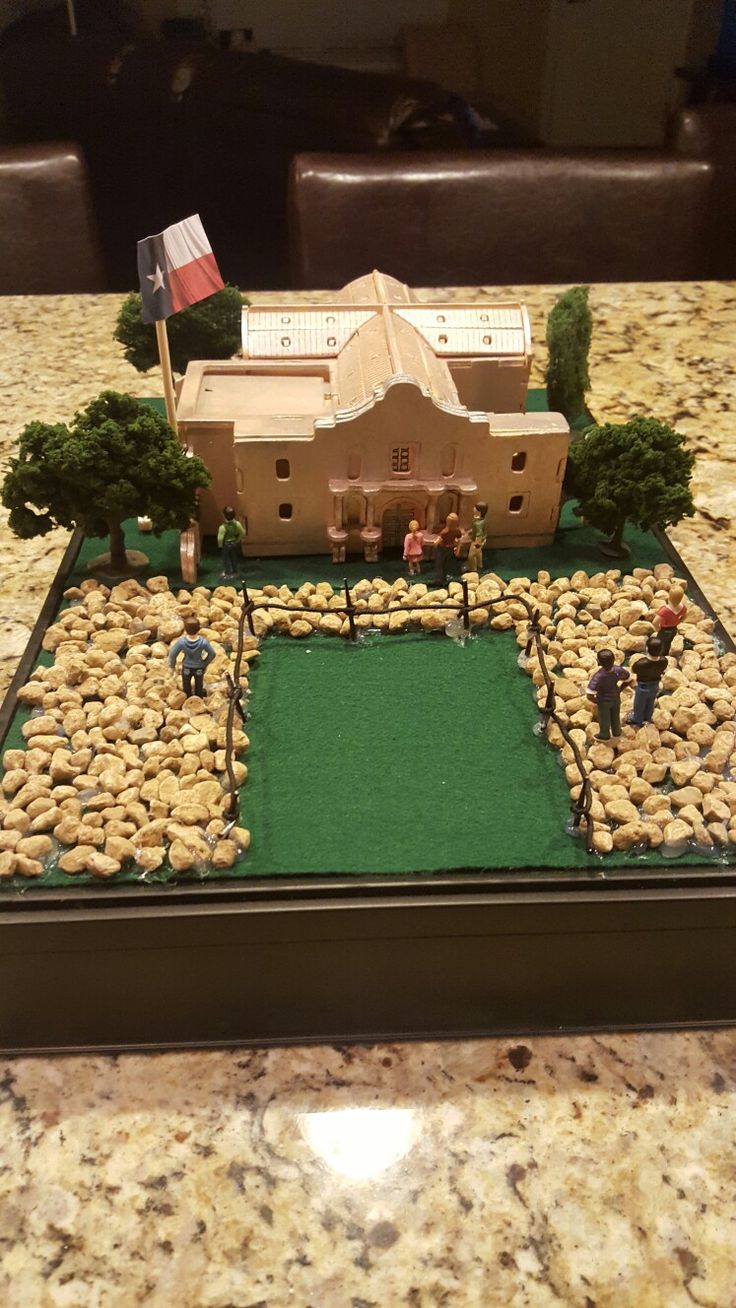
<point x="638" y="471"/>
<point x="207" y="330"/>
<point x="117" y="459"/>
<point x="569" y="329"/>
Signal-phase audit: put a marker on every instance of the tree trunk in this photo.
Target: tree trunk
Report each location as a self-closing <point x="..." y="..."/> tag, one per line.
<point x="617" y="539"/>
<point x="118" y="557"/>
<point x="615" y="547"/>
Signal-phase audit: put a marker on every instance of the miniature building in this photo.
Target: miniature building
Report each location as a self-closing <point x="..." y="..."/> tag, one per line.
<point x="343" y="422"/>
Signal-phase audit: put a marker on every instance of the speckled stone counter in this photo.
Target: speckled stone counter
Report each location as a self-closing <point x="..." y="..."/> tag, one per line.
<point x="597" y="1172"/>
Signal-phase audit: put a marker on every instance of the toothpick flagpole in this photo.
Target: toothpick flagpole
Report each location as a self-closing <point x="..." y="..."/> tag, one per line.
<point x="72" y="17"/>
<point x="162" y="340"/>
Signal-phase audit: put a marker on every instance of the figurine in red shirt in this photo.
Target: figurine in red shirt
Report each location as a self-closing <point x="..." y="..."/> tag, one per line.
<point x="447" y="541"/>
<point x="669" y="618"/>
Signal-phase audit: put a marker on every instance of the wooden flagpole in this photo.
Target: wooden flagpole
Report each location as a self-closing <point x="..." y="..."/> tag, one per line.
<point x="162" y="340"/>
<point x="72" y="17"/>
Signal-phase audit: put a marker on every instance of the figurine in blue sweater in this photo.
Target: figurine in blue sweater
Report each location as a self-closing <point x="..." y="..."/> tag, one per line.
<point x="198" y="654"/>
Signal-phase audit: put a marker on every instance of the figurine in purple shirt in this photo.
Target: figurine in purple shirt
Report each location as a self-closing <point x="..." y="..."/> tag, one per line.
<point x="198" y="654"/>
<point x="605" y="689"/>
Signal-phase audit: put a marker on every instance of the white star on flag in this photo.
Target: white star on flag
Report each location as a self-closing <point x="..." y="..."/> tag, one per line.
<point x="157" y="278"/>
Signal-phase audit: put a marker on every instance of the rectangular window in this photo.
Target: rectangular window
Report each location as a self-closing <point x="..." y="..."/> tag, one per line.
<point x="401" y="460"/>
<point x="518" y="461"/>
<point x="518" y="504"/>
<point x="283" y="469"/>
<point x="285" y="512"/>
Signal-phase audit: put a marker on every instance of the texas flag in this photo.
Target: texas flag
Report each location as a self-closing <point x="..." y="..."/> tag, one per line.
<point x="176" y="268"/>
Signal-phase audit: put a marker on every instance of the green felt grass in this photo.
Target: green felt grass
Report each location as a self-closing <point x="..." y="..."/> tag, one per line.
<point x="406" y="753"/>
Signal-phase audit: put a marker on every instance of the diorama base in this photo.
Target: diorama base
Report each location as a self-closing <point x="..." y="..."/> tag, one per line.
<point x="336" y="958"/>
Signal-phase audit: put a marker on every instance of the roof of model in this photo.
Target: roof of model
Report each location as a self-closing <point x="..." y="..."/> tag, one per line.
<point x="321" y="331"/>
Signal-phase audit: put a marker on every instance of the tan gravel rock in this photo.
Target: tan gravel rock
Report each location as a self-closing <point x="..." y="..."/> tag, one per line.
<point x="224" y="854"/>
<point x="119" y="848"/>
<point x="35" y="846"/>
<point x="677" y="833"/>
<point x="150" y="858"/>
<point x="630" y="834"/>
<point x="46" y="821"/>
<point x="622" y="810"/>
<point x="100" y="865"/>
<point x="74" y="861"/>
<point x="181" y="857"/>
<point x="686" y="795"/>
<point x="27" y="867"/>
<point x="7" y="863"/>
<point x="601" y="756"/>
<point x="16" y="819"/>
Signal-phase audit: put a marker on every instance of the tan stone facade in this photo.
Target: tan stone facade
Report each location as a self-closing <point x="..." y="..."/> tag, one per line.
<point x="341" y="424"/>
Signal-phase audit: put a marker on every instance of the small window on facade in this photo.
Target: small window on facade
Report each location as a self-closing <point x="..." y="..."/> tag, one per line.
<point x="331" y="340"/>
<point x="486" y="340"/>
<point x="286" y="341"/>
<point x="285" y="512"/>
<point x="286" y="319"/>
<point x="401" y="459"/>
<point x="516" y="503"/>
<point x="443" y="339"/>
<point x="448" y="460"/>
<point x="283" y="469"/>
<point x="518" y="461"/>
<point x="353" y="465"/>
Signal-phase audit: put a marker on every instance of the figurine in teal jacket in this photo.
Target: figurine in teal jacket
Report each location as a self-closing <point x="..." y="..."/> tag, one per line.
<point x="198" y="654"/>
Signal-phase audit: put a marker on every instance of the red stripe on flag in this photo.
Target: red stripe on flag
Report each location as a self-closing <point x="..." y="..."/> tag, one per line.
<point x="194" y="281"/>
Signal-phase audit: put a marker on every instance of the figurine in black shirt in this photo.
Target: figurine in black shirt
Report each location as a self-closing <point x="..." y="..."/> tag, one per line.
<point x="648" y="672"/>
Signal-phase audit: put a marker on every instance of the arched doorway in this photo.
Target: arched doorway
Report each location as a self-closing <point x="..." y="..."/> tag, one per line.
<point x="395" y="522"/>
<point x="447" y="503"/>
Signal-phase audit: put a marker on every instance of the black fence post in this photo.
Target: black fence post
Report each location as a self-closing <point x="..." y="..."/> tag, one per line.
<point x="249" y="610"/>
<point x="350" y="610"/>
<point x="466" y="610"/>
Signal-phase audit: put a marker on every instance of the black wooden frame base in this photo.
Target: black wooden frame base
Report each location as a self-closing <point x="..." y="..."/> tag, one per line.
<point x="363" y="958"/>
<point x="329" y="966"/>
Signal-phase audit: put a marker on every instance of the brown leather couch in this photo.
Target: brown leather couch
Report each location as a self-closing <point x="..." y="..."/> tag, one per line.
<point x="502" y="216"/>
<point x="48" y="233"/>
<point x="169" y="129"/>
<point x="708" y="131"/>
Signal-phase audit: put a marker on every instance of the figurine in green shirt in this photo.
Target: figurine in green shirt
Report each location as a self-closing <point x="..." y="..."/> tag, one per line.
<point x="474" y="561"/>
<point x="229" y="536"/>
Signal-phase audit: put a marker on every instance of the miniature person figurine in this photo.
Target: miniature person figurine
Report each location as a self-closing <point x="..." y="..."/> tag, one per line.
<point x="648" y="672"/>
<point x="669" y="617"/>
<point x="604" y="688"/>
<point x="229" y="535"/>
<point x="474" y="561"/>
<point x="198" y="654"/>
<point x="414" y="548"/>
<point x="445" y="548"/>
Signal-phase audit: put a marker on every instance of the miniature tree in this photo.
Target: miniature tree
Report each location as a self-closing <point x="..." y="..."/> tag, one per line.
<point x="637" y="471"/>
<point x="209" y="329"/>
<point x="118" y="458"/>
<point x="569" y="329"/>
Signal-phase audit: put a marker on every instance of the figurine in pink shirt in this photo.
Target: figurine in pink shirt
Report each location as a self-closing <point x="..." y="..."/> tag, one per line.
<point x="669" y="617"/>
<point x="414" y="548"/>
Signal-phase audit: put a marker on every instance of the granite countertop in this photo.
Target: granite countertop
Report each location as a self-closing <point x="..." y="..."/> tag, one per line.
<point x="594" y="1171"/>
